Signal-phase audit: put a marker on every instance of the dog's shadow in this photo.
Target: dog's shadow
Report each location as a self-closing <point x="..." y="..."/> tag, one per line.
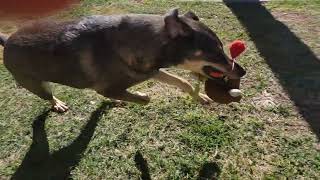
<point x="142" y="165"/>
<point x="209" y="170"/>
<point x="38" y="163"/>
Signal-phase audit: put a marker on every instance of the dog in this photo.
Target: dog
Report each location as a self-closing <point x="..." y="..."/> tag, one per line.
<point x="109" y="54"/>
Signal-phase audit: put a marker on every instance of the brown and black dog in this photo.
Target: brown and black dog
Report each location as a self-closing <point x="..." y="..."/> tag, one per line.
<point x="112" y="53"/>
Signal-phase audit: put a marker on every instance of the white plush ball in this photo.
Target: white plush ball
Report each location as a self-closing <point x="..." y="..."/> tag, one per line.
<point x="235" y="92"/>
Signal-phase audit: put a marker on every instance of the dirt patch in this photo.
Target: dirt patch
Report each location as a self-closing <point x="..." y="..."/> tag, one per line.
<point x="308" y="23"/>
<point x="306" y="26"/>
<point x="265" y="100"/>
<point x="291" y="17"/>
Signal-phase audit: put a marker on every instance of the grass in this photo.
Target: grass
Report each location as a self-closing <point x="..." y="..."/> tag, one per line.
<point x="264" y="137"/>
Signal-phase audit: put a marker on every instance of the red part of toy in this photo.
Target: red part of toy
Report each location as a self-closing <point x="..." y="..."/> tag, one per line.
<point x="236" y="48"/>
<point x="216" y="74"/>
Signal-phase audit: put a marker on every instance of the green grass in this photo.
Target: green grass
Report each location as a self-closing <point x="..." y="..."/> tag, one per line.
<point x="177" y="138"/>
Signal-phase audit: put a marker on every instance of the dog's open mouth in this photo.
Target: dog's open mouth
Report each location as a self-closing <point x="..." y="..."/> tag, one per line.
<point x="212" y="72"/>
<point x="223" y="90"/>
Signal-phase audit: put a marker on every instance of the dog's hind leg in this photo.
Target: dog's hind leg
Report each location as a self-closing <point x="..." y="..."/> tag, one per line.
<point x="124" y="95"/>
<point x="41" y="89"/>
<point x="183" y="84"/>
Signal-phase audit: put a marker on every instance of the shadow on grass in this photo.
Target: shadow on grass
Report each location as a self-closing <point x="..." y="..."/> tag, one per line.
<point x="208" y="171"/>
<point x="38" y="163"/>
<point x="294" y="64"/>
<point x="142" y="165"/>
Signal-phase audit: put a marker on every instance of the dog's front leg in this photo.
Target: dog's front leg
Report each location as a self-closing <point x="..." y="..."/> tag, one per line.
<point x="183" y="84"/>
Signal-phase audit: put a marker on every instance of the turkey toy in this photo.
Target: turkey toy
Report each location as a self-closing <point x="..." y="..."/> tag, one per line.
<point x="221" y="89"/>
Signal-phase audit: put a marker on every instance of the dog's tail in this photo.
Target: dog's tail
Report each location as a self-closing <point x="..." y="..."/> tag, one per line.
<point x="3" y="39"/>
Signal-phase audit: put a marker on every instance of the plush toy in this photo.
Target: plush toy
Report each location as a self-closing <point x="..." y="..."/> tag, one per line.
<point x="236" y="48"/>
<point x="223" y="90"/>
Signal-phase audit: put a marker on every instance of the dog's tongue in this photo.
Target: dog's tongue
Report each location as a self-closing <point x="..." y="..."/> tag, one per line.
<point x="216" y="74"/>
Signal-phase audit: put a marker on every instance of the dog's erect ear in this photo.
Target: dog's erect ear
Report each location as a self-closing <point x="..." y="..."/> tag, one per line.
<point x="191" y="15"/>
<point x="174" y="25"/>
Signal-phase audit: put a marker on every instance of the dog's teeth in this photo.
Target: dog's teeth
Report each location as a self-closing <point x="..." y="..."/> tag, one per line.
<point x="235" y="92"/>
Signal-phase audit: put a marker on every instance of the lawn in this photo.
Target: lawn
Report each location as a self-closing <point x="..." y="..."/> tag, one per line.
<point x="271" y="134"/>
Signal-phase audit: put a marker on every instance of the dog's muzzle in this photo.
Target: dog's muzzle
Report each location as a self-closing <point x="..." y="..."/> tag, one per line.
<point x="236" y="72"/>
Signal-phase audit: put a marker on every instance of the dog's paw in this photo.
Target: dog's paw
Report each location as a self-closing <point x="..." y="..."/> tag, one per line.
<point x="118" y="103"/>
<point x="143" y="98"/>
<point x="59" y="106"/>
<point x="202" y="98"/>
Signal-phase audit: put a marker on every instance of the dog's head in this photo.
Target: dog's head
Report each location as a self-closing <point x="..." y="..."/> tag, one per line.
<point x="198" y="47"/>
